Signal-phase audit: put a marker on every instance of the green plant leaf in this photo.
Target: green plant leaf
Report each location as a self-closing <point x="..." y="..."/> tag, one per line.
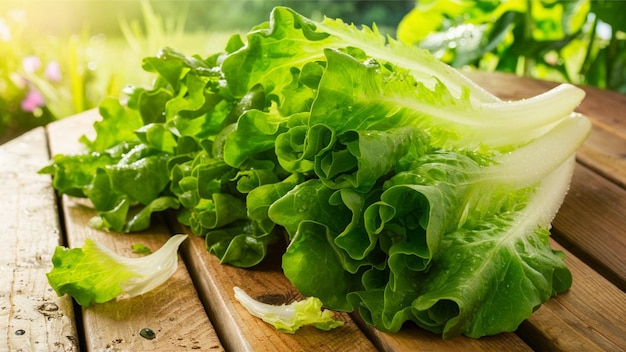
<point x="95" y="274"/>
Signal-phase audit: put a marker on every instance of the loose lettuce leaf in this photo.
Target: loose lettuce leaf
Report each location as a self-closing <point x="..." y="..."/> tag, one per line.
<point x="289" y="318"/>
<point x="95" y="274"/>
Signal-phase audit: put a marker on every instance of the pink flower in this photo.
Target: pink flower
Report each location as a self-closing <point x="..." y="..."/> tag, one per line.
<point x="33" y="100"/>
<point x="5" y="31"/>
<point x="31" y="64"/>
<point x="53" y="72"/>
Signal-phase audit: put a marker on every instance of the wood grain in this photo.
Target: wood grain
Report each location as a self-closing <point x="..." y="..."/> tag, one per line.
<point x="592" y="223"/>
<point x="173" y="310"/>
<point x="30" y="233"/>
<point x="413" y="338"/>
<point x="605" y="153"/>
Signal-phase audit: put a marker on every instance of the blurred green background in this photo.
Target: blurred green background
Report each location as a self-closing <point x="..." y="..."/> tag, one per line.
<point x="58" y="58"/>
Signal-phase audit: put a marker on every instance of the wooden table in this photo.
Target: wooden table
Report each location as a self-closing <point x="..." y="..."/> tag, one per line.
<point x="195" y="309"/>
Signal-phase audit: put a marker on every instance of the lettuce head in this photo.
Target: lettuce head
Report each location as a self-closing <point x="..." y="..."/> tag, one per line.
<point x="401" y="189"/>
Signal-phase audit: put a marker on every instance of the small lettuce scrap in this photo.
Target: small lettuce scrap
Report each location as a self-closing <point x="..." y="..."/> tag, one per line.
<point x="95" y="274"/>
<point x="289" y="318"/>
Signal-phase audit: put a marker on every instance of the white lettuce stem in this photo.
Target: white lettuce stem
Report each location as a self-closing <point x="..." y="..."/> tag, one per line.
<point x="497" y="125"/>
<point x="285" y="312"/>
<point x="536" y="111"/>
<point x="152" y="270"/>
<point x="531" y="163"/>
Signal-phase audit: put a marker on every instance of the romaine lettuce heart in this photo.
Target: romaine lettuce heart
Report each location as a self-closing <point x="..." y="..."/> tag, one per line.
<point x="401" y="189"/>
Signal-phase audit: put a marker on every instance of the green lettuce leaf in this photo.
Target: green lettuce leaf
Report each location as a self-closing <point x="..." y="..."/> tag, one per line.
<point x="95" y="274"/>
<point x="289" y="318"/>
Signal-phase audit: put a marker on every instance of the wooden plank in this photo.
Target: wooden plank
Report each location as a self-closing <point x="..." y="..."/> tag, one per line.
<point x="592" y="223"/>
<point x="32" y="317"/>
<point x="172" y="310"/>
<point x="241" y="331"/>
<point x="413" y="338"/>
<point x="605" y="149"/>
<point x="608" y="109"/>
<point x="589" y="317"/>
<point x="605" y="153"/>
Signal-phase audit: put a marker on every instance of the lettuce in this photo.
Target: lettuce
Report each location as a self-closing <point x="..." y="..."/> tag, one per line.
<point x="95" y="274"/>
<point x="401" y="189"/>
<point x="289" y="318"/>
